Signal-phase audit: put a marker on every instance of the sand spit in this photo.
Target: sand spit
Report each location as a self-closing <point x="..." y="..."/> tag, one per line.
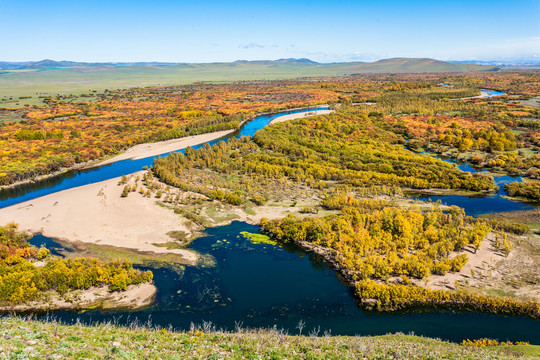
<point x="483" y="94"/>
<point x="96" y="213"/>
<point x="142" y="151"/>
<point x="300" y="115"/>
<point x="135" y="297"/>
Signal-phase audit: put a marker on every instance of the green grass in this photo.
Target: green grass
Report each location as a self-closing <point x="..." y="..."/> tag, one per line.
<point x="29" y="339"/>
<point x="500" y="293"/>
<point x="108" y="253"/>
<point x="535" y="227"/>
<point x="83" y="80"/>
<point x="516" y="350"/>
<point x="535" y="101"/>
<point x="219" y="213"/>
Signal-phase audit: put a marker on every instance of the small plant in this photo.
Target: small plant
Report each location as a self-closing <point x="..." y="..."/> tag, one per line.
<point x="123" y="180"/>
<point x="309" y="210"/>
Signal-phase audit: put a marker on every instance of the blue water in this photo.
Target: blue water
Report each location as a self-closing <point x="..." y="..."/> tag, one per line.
<point x="84" y="177"/>
<point x="480" y="204"/>
<point x="261" y="285"/>
<point x="492" y="93"/>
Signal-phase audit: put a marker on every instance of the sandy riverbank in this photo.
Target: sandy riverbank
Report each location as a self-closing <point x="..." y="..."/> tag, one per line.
<point x="300" y="115"/>
<point x="136" y="296"/>
<point x="483" y="94"/>
<point x="142" y="151"/>
<point x="480" y="261"/>
<point x="96" y="213"/>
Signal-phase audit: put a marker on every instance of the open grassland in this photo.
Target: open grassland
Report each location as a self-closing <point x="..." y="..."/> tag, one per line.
<point x="77" y="80"/>
<point x="30" y="339"/>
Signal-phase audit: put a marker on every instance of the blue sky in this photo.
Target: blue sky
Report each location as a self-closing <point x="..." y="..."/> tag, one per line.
<point x="210" y="31"/>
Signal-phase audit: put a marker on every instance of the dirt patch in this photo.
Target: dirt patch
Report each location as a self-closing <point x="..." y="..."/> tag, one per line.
<point x="491" y="272"/>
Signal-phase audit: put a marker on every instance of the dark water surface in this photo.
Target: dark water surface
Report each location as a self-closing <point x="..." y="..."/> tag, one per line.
<point x="262" y="285"/>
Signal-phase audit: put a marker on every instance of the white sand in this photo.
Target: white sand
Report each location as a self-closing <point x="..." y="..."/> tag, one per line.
<point x="300" y="115"/>
<point x="142" y="151"/>
<point x="481" y="261"/>
<point x="483" y="94"/>
<point x="97" y="214"/>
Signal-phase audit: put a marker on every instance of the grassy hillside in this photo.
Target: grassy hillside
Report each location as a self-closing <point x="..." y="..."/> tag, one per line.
<point x="29" y="339"/>
<point x="32" y="82"/>
<point x="406" y="65"/>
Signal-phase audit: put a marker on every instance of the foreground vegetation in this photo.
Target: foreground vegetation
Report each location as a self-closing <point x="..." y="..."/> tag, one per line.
<point x="31" y="339"/>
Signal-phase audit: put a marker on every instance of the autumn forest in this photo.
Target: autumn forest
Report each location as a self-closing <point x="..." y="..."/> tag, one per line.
<point x="386" y="137"/>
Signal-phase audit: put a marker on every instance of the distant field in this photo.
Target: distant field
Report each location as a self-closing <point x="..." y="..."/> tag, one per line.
<point x="35" y="83"/>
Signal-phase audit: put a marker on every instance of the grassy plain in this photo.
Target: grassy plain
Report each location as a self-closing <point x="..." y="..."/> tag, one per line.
<point x="14" y="84"/>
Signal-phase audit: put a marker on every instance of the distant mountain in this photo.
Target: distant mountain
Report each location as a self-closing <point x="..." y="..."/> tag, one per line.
<point x="395" y="65"/>
<point x="281" y="61"/>
<point x="297" y="61"/>
<point x="517" y="63"/>
<point x="52" y="64"/>
<point x="412" y="65"/>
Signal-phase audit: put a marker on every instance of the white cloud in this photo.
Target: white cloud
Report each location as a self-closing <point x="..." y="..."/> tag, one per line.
<point x="251" y="45"/>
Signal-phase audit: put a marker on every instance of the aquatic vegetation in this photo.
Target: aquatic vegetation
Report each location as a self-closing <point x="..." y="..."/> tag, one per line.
<point x="258" y="238"/>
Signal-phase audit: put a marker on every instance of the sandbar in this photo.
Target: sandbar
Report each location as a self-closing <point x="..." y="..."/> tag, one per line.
<point x="300" y="115"/>
<point x="145" y="150"/>
<point x="96" y="213"/>
<point x="135" y="297"/>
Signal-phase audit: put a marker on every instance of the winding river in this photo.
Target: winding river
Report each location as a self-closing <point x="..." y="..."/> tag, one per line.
<point x="75" y="178"/>
<point x="480" y="204"/>
<point x="260" y="285"/>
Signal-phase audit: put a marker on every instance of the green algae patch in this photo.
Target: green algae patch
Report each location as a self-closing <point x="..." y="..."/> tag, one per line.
<point x="258" y="238"/>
